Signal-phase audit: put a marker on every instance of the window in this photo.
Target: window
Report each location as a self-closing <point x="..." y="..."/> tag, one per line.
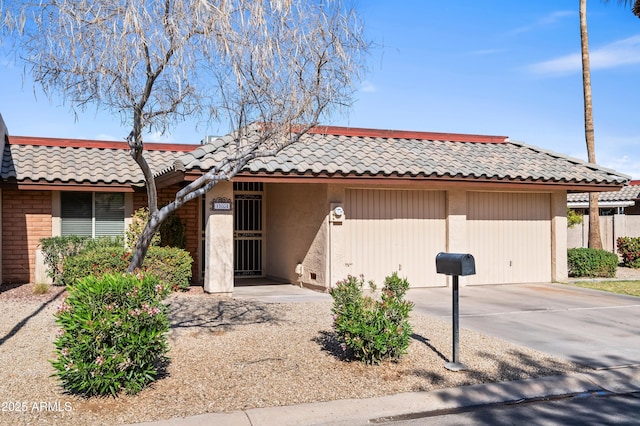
<point x="92" y="214"/>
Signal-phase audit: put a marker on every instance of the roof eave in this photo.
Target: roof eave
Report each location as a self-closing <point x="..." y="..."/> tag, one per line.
<point x="397" y="178"/>
<point x="601" y="204"/>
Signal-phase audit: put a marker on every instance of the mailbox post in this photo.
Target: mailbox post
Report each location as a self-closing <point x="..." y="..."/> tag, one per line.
<point x="455" y="264"/>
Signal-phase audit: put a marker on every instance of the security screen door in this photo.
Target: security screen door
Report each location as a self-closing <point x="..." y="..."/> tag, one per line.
<point x="248" y="228"/>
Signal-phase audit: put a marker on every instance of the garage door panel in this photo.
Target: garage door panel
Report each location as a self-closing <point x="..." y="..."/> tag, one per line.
<point x="390" y="230"/>
<point x="510" y="237"/>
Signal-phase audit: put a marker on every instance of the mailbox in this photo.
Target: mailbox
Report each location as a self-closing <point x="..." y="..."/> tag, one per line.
<point x="455" y="264"/>
<point x="458" y="264"/>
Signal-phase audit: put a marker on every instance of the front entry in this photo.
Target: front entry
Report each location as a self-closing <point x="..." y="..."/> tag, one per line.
<point x="248" y="247"/>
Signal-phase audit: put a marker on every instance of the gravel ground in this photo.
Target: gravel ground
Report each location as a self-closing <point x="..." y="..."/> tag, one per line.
<point x="228" y="354"/>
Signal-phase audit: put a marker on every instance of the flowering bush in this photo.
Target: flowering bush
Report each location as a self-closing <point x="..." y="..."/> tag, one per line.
<point x="372" y="330"/>
<point x="113" y="334"/>
<point x="629" y="249"/>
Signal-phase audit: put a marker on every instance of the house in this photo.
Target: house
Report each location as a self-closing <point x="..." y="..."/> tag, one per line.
<point x="619" y="216"/>
<point x="54" y="187"/>
<point x="341" y="201"/>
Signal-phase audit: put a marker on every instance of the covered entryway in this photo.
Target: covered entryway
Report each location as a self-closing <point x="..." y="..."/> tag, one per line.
<point x="395" y="230"/>
<point x="509" y="235"/>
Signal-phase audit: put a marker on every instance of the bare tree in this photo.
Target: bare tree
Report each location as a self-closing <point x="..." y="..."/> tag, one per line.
<point x="281" y="63"/>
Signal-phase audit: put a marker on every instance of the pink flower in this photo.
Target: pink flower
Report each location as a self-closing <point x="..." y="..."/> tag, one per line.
<point x="99" y="360"/>
<point x="63" y="307"/>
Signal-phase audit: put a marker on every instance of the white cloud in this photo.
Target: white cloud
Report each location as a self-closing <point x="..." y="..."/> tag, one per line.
<point x="619" y="53"/>
<point x="618" y="153"/>
<point x="484" y="52"/>
<point x="368" y="87"/>
<point x="545" y="21"/>
<point x="107" y="137"/>
<point x="625" y="164"/>
<point x="158" y="137"/>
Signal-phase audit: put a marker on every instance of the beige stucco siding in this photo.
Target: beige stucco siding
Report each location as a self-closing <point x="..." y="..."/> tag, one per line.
<point x="509" y="235"/>
<point x="296" y="232"/>
<point x="395" y="230"/>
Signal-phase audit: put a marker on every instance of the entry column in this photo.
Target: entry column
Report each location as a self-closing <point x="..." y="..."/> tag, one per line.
<point x="457" y="221"/>
<point x="218" y="273"/>
<point x="457" y="239"/>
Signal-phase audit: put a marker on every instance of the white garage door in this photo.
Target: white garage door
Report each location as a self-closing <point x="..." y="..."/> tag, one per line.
<point x="395" y="230"/>
<point x="509" y="237"/>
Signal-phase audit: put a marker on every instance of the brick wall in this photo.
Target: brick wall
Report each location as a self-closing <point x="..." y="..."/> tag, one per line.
<point x="26" y="218"/>
<point x="188" y="214"/>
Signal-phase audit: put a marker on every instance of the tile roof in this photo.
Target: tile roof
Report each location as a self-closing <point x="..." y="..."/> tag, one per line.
<point x="72" y="161"/>
<point x="325" y="151"/>
<point x="628" y="194"/>
<point x="360" y="152"/>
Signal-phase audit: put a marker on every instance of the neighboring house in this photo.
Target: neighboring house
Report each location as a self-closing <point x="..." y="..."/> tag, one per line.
<point x="53" y="187"/>
<point x="341" y="201"/>
<point x="619" y="216"/>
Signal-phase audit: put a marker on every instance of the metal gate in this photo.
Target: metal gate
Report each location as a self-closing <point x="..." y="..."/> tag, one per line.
<point x="247" y="228"/>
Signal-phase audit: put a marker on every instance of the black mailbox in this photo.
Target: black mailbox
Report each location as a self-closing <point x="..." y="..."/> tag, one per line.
<point x="459" y="264"/>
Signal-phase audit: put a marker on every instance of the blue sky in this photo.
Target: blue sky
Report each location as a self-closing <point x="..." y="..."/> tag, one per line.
<point x="498" y="67"/>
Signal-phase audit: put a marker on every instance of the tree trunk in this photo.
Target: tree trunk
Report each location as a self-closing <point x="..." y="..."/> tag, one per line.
<point x="144" y="241"/>
<point x="595" y="240"/>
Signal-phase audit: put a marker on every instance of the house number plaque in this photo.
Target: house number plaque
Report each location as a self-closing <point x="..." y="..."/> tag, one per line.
<point x="221" y="204"/>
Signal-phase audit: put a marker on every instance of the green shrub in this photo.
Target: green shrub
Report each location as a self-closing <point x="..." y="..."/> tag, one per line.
<point x="629" y="249"/>
<point x="372" y="330"/>
<point x="573" y="218"/>
<point x="588" y="262"/>
<point x="57" y="249"/>
<point x="113" y="335"/>
<point x="138" y="222"/>
<point x="173" y="232"/>
<point x="172" y="266"/>
<point x="96" y="262"/>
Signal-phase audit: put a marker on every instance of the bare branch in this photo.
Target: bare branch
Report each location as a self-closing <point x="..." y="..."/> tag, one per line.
<point x="282" y="63"/>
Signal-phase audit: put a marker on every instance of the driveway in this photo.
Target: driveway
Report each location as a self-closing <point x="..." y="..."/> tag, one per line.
<point x="598" y="329"/>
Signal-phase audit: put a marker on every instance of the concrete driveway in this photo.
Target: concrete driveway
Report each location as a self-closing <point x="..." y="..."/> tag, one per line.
<point x="598" y="329"/>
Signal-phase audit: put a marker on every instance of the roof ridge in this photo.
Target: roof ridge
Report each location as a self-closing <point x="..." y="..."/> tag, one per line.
<point x="100" y="144"/>
<point x="406" y="134"/>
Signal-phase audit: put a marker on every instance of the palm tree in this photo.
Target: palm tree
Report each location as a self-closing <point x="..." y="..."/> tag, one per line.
<point x="635" y="5"/>
<point x="595" y="240"/>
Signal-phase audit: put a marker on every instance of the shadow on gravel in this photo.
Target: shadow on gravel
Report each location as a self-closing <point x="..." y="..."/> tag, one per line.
<point x="219" y="315"/>
<point x="330" y="344"/>
<point x="26" y="319"/>
<point x="426" y="342"/>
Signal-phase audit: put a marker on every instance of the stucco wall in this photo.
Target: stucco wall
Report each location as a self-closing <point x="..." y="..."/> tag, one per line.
<point x="296" y="231"/>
